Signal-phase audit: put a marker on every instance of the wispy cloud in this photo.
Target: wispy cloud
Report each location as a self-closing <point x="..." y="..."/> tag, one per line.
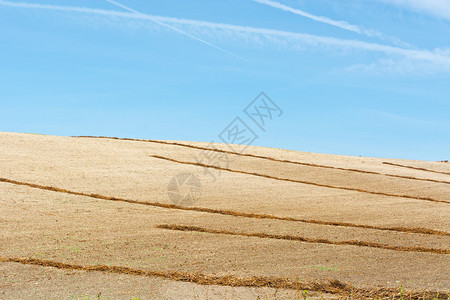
<point x="176" y="29"/>
<point x="340" y="24"/>
<point x="437" y="8"/>
<point x="435" y="57"/>
<point x="401" y="67"/>
<point x="405" y="66"/>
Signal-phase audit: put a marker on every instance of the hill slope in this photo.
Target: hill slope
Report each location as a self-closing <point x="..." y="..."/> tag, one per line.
<point x="270" y="218"/>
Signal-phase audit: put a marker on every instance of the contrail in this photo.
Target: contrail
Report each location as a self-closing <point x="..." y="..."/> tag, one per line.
<point x="340" y="24"/>
<point x="315" y="40"/>
<point x="176" y="29"/>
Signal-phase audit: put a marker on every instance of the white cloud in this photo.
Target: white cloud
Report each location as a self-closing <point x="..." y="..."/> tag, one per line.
<point x="340" y="24"/>
<point x="405" y="66"/>
<point x="441" y="58"/>
<point x="437" y="8"/>
<point x="402" y="67"/>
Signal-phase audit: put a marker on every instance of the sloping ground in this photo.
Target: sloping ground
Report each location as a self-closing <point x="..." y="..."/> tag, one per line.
<point x="285" y="220"/>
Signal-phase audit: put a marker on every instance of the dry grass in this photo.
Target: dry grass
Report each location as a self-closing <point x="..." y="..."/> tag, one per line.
<point x="329" y="286"/>
<point x="413" y="230"/>
<point x="305" y="239"/>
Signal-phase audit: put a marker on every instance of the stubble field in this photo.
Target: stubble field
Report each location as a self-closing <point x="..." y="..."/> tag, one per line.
<point x="92" y="217"/>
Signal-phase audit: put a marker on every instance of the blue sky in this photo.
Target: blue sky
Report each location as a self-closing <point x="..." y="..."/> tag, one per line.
<point x="353" y="77"/>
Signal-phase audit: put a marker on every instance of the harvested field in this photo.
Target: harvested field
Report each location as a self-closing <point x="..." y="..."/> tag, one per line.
<point x="226" y="212"/>
<point x="280" y="160"/>
<point x="416" y="168"/>
<point x="300" y="181"/>
<point x="305" y="239"/>
<point x="271" y="224"/>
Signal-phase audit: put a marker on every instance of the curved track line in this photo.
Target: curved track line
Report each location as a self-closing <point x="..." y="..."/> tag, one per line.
<point x="415" y="168"/>
<point x="267" y="158"/>
<point x="300" y="181"/>
<point x="415" y="230"/>
<point x="329" y="286"/>
<point x="305" y="239"/>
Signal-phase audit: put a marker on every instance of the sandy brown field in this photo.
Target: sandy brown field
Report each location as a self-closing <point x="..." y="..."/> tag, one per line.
<point x="91" y="217"/>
